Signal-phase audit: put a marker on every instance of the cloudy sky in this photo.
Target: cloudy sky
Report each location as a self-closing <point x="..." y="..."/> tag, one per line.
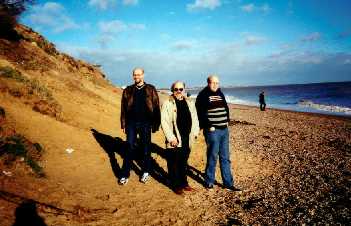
<point x="245" y="42"/>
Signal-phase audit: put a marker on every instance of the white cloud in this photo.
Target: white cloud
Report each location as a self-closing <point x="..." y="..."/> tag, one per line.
<point x="105" y="39"/>
<point x="117" y="63"/>
<point x="203" y="4"/>
<point x="113" y="26"/>
<point x="137" y="26"/>
<point x="130" y="2"/>
<point x="110" y="29"/>
<point x="182" y="45"/>
<point x="298" y="57"/>
<point x="315" y="36"/>
<point x="102" y="4"/>
<point x="254" y="40"/>
<point x="52" y="7"/>
<point x="52" y="16"/>
<point x="117" y="26"/>
<point x="265" y="8"/>
<point x="248" y="8"/>
<point x="231" y="61"/>
<point x="287" y="46"/>
<point x="67" y="24"/>
<point x="310" y="58"/>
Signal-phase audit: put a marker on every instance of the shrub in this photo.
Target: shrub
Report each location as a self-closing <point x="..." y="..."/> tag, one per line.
<point x="35" y="166"/>
<point x="9" y="11"/>
<point x="44" y="102"/>
<point x="38" y="147"/>
<point x="32" y="84"/>
<point x="17" y="146"/>
<point x="8" y="72"/>
<point x="14" y="145"/>
<point x="41" y="90"/>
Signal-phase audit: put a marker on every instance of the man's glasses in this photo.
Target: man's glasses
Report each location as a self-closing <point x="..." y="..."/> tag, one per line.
<point x="178" y="89"/>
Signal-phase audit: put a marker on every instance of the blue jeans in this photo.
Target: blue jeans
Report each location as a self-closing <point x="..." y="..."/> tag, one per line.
<point x="132" y="131"/>
<point x="218" y="145"/>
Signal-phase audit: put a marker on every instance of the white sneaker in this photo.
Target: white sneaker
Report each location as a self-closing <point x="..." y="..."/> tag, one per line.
<point x="123" y="181"/>
<point x="145" y="177"/>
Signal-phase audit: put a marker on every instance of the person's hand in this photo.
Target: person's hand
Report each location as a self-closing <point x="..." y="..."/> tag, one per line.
<point x="174" y="143"/>
<point x="212" y="129"/>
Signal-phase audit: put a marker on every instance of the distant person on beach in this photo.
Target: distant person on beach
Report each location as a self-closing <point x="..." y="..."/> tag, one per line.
<point x="262" y="101"/>
<point x="180" y="126"/>
<point x="140" y="115"/>
<point x="213" y="114"/>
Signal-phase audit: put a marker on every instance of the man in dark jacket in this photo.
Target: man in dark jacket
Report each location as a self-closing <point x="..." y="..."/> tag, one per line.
<point x="140" y="114"/>
<point x="262" y="101"/>
<point x="213" y="114"/>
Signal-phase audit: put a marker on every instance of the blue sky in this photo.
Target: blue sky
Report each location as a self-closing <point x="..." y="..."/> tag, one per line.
<point x="244" y="42"/>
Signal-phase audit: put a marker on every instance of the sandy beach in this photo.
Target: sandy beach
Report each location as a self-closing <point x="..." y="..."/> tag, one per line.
<point x="294" y="168"/>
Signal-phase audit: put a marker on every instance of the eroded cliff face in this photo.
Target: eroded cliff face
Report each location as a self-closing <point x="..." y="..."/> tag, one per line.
<point x="49" y="101"/>
<point x="33" y="52"/>
<point x="32" y="69"/>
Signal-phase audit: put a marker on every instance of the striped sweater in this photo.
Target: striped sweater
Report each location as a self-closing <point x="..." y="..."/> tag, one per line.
<point x="212" y="109"/>
<point x="216" y="113"/>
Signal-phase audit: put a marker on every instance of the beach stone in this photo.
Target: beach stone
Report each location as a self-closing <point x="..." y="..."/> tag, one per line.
<point x="2" y="112"/>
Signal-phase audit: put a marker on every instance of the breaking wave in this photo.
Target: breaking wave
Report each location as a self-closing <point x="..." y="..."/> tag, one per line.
<point x="234" y="100"/>
<point x="324" y="107"/>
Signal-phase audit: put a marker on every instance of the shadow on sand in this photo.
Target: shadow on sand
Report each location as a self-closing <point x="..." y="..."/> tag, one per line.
<point x="192" y="172"/>
<point x="115" y="145"/>
<point x="27" y="215"/>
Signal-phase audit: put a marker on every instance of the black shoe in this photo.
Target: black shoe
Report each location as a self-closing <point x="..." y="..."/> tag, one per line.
<point x="188" y="188"/>
<point x="232" y="188"/>
<point x="179" y="191"/>
<point x="209" y="186"/>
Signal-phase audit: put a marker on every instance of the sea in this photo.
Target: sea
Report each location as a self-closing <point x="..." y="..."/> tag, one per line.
<point x="326" y="98"/>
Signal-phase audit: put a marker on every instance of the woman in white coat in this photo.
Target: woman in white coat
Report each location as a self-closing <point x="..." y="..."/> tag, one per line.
<point x="180" y="126"/>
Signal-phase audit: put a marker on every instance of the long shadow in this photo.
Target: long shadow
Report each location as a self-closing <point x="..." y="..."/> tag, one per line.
<point x="196" y="175"/>
<point x="192" y="172"/>
<point x="112" y="145"/>
<point x="199" y="176"/>
<point x="26" y="214"/>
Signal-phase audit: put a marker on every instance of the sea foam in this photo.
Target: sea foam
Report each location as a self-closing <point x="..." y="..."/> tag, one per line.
<point x="324" y="107"/>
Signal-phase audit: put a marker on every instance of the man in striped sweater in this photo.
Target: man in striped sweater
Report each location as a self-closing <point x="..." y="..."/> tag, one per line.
<point x="213" y="114"/>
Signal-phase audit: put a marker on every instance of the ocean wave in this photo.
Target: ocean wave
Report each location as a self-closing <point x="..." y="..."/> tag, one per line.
<point x="324" y="107"/>
<point x="290" y="103"/>
<point x="235" y="100"/>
